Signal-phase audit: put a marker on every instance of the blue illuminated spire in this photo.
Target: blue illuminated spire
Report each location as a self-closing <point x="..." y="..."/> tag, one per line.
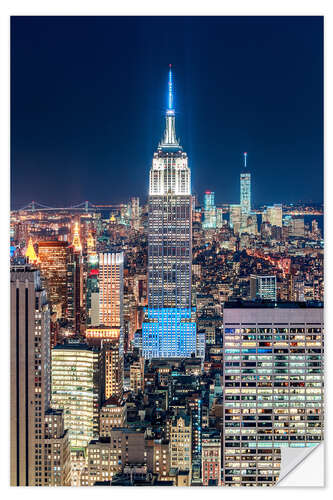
<point x="170" y="92"/>
<point x="169" y="139"/>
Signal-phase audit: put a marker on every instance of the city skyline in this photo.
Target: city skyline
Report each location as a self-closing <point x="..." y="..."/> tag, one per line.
<point x="175" y="337"/>
<point x="88" y="115"/>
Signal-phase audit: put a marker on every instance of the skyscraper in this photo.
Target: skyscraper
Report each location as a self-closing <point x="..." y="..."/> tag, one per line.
<point x="169" y="329"/>
<point x="135" y="213"/>
<point x="273" y="215"/>
<point x="245" y="189"/>
<point x="235" y="217"/>
<point x="209" y="211"/>
<point x="75" y="389"/>
<point x="75" y="281"/>
<point x="92" y="290"/>
<point x="53" y="257"/>
<point x="273" y="380"/>
<point x="111" y="286"/>
<point x="30" y="415"/>
<point x="112" y="369"/>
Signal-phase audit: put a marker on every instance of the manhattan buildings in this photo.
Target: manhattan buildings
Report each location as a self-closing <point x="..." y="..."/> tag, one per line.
<point x="36" y="432"/>
<point x="111" y="267"/>
<point x="76" y="389"/>
<point x="273" y="386"/>
<point x="157" y="374"/>
<point x="53" y="258"/>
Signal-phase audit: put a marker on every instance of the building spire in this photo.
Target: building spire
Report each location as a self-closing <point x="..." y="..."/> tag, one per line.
<point x="245" y="158"/>
<point x="169" y="139"/>
<point x="170" y="96"/>
<point x="30" y="253"/>
<point x="76" y="238"/>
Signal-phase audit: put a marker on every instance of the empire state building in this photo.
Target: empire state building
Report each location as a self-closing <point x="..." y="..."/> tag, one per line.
<point x="169" y="329"/>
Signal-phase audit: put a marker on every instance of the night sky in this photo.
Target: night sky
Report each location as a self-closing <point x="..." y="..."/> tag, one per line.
<point x="88" y="96"/>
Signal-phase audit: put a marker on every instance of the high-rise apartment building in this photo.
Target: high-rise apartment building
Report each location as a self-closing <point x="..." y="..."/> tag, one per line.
<point x="112" y="369"/>
<point x="92" y="290"/>
<point x="297" y="227"/>
<point x="273" y="386"/>
<point x="209" y="211"/>
<point x="109" y="341"/>
<point x="75" y="282"/>
<point x="75" y="374"/>
<point x="111" y="289"/>
<point x="262" y="287"/>
<point x="53" y="260"/>
<point x="135" y="213"/>
<point x="235" y="217"/>
<point x="273" y="215"/>
<point x="30" y="436"/>
<point x="169" y="329"/>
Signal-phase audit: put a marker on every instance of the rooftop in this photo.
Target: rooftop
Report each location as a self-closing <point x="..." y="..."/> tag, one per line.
<point x="272" y="305"/>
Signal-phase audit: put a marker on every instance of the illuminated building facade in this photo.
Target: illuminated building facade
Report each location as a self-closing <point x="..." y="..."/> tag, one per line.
<point x="53" y="260"/>
<point x="75" y="389"/>
<point x="181" y="443"/>
<point x="169" y="329"/>
<point x="30" y="365"/>
<point x="263" y="287"/>
<point x="135" y="213"/>
<point x="109" y="455"/>
<point x="112" y="369"/>
<point x="92" y="290"/>
<point x="30" y="253"/>
<point x="158" y="457"/>
<point x="273" y="387"/>
<point x="211" y="459"/>
<point x="273" y="215"/>
<point x="111" y="289"/>
<point x="75" y="281"/>
<point x="297" y="226"/>
<point x="57" y="449"/>
<point x="30" y="388"/>
<point x="113" y="413"/>
<point x="235" y="217"/>
<point x="95" y="334"/>
<point x="245" y="189"/>
<point x="109" y="341"/>
<point x="209" y="211"/>
<point x="137" y="375"/>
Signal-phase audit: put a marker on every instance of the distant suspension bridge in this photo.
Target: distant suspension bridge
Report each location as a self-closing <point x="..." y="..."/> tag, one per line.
<point x="85" y="206"/>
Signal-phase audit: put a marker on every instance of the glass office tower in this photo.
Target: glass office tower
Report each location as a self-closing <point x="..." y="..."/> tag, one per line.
<point x="209" y="211"/>
<point x="273" y="386"/>
<point x="245" y="189"/>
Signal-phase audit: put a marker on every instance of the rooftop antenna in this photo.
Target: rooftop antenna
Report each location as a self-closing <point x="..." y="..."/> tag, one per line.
<point x="170" y="97"/>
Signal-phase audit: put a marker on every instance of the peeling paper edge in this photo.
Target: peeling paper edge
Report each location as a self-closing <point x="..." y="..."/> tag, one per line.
<point x="292" y="460"/>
